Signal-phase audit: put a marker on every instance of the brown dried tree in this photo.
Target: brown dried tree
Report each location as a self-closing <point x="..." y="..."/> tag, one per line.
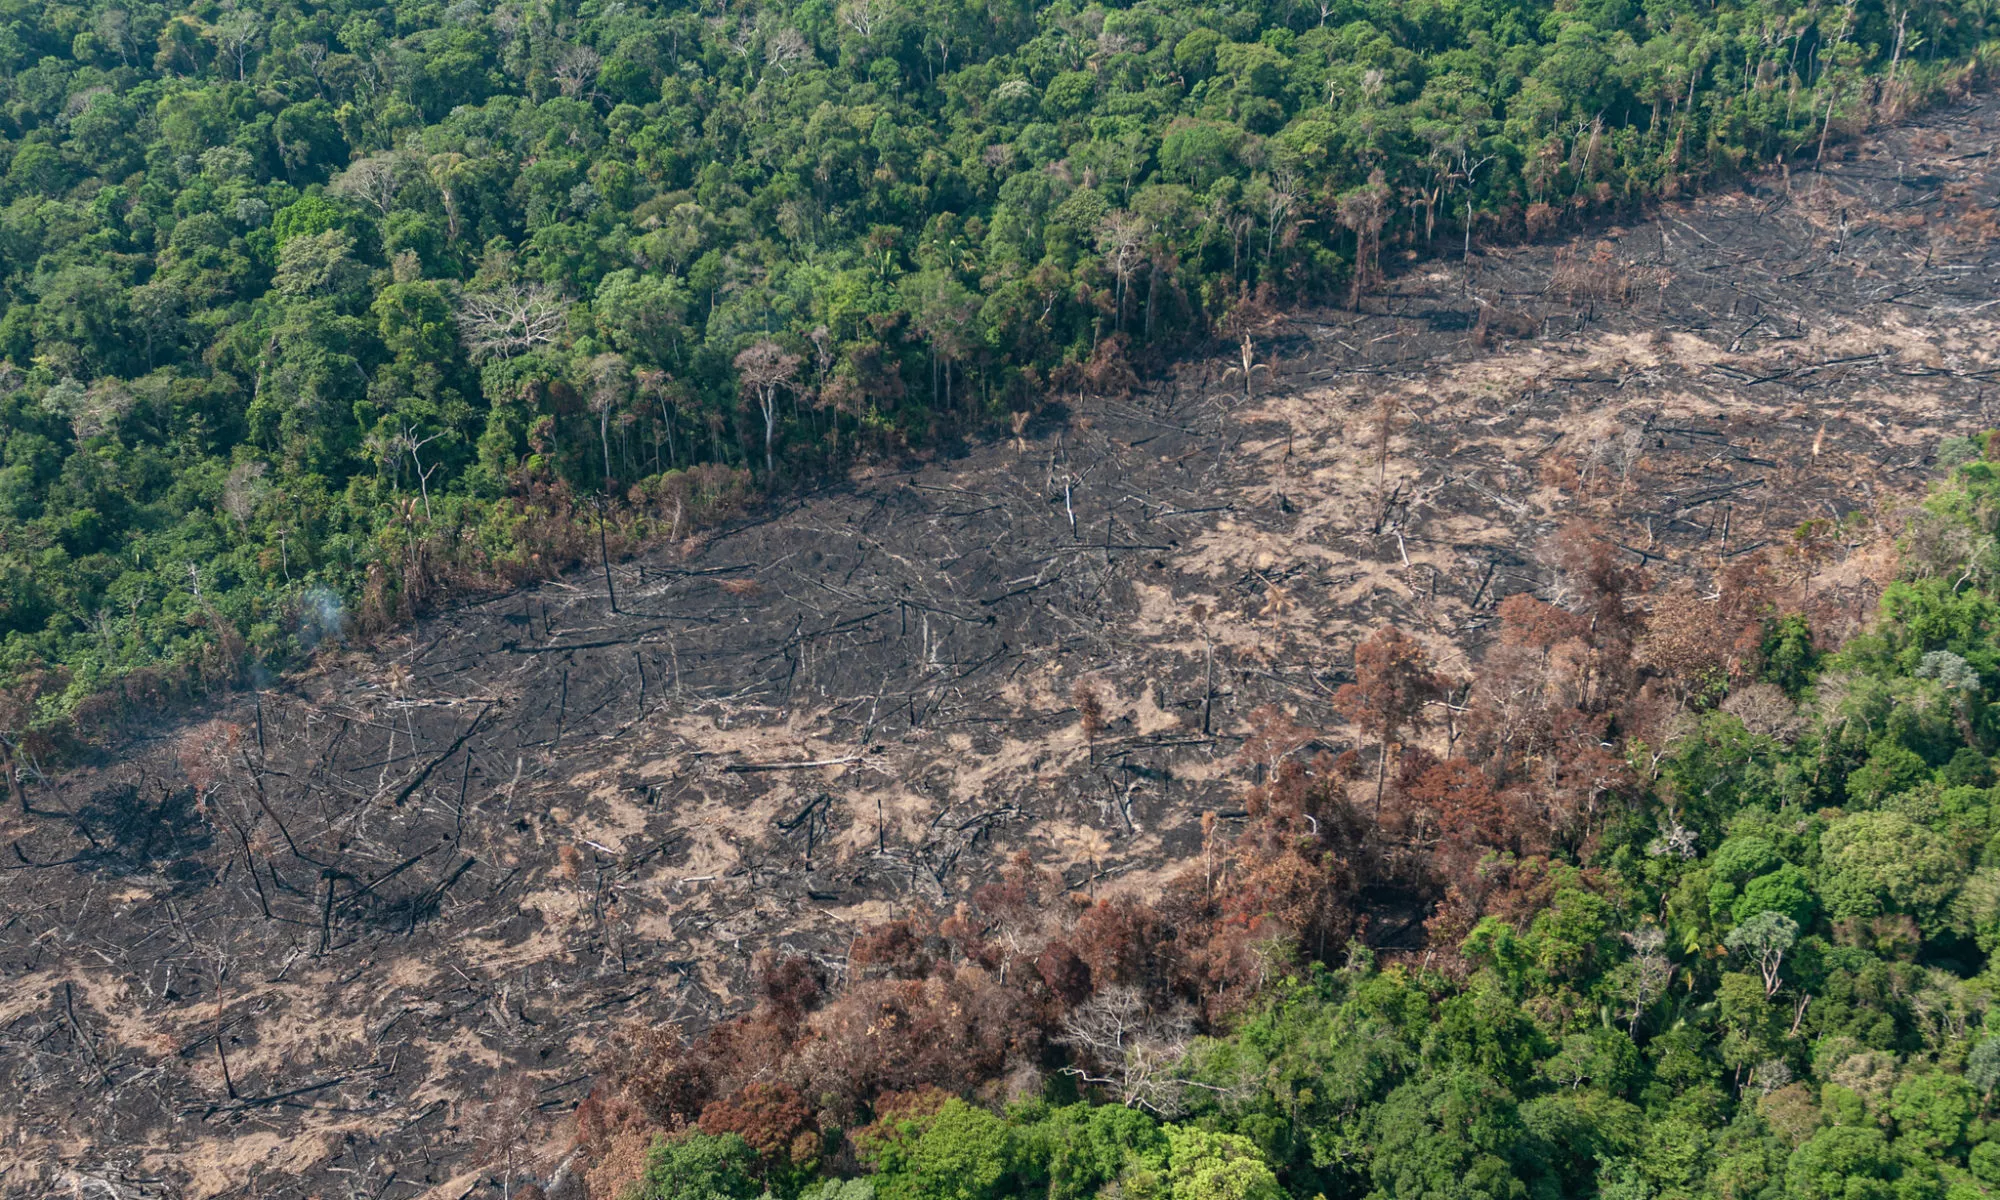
<point x="774" y="1120"/>
<point x="1392" y="681"/>
<point x="1089" y="713"/>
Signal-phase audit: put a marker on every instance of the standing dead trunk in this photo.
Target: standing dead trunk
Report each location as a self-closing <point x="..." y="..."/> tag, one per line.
<point x="1382" y="767"/>
<point x="15" y="792"/>
<point x="768" y="370"/>
<point x="770" y="403"/>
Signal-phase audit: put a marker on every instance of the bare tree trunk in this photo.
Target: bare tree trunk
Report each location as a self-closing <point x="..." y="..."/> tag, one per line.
<point x="604" y="436"/>
<point x="604" y="554"/>
<point x="19" y="794"/>
<point x="1382" y="769"/>
<point x="770" y="427"/>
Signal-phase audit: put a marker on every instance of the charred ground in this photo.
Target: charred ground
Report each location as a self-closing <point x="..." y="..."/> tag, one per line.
<point x="293" y="948"/>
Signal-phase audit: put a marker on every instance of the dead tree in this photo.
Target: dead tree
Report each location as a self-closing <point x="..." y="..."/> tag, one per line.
<point x="1363" y="212"/>
<point x="1089" y="714"/>
<point x="509" y="320"/>
<point x="1131" y="1048"/>
<point x="767" y="369"/>
<point x="608" y="375"/>
<point x="1385" y="428"/>
<point x="1250" y="366"/>
<point x="1392" y="680"/>
<point x="374" y="180"/>
<point x="576" y="70"/>
<point x="1121" y="239"/>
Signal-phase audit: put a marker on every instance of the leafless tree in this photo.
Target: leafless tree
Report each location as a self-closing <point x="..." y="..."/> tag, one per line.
<point x="509" y="320"/>
<point x="767" y="369"/>
<point x="1250" y="366"/>
<point x="1832" y="87"/>
<point x="824" y="355"/>
<point x="242" y="490"/>
<point x="507" y="1124"/>
<point x="1650" y="971"/>
<point x="79" y="101"/>
<point x="654" y="383"/>
<point x="786" y="50"/>
<point x="609" y="375"/>
<point x="89" y="410"/>
<point x="1364" y="211"/>
<point x="577" y="70"/>
<point x="374" y="180"/>
<point x="865" y="16"/>
<point x="1131" y="1048"/>
<point x="114" y="28"/>
<point x="1279" y="201"/>
<point x="738" y="37"/>
<point x="236" y="36"/>
<point x="444" y="170"/>
<point x="413" y="445"/>
<point x="1385" y="429"/>
<point x="1121" y="239"/>
<point x="313" y="55"/>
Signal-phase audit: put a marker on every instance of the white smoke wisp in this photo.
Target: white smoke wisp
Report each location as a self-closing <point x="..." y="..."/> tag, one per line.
<point x="322" y="617"/>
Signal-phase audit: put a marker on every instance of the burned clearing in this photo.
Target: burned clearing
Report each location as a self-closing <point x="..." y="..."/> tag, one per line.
<point x="363" y="932"/>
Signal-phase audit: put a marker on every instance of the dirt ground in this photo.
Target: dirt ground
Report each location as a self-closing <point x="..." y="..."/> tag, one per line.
<point x="360" y="933"/>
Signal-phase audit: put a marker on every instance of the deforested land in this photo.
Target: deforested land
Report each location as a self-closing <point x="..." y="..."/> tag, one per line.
<point x="648" y="603"/>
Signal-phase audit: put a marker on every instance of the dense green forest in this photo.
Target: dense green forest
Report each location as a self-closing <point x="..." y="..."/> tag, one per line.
<point x="312" y="311"/>
<point x="1748" y="956"/>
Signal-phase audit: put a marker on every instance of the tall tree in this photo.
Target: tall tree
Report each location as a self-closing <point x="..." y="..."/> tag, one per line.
<point x="767" y="369"/>
<point x="1393" y="680"/>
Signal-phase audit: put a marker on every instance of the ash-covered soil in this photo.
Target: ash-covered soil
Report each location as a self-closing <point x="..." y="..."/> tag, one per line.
<point x="361" y="933"/>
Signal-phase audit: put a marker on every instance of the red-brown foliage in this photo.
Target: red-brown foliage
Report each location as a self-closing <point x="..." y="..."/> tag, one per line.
<point x="933" y="1005"/>
<point x="1121" y="940"/>
<point x="1697" y="642"/>
<point x="672" y="1080"/>
<point x="603" y="1116"/>
<point x="1453" y="804"/>
<point x="965" y="934"/>
<point x="1064" y="971"/>
<point x="894" y="949"/>
<point x="1288" y="878"/>
<point x="1392" y="681"/>
<point x="1594" y="566"/>
<point x="913" y="1105"/>
<point x="1544" y="710"/>
<point x="773" y="1119"/>
<point x="1527" y="621"/>
<point x="788" y="988"/>
<point x="895" y="1112"/>
<point x="1564" y="790"/>
<point x="1274" y="736"/>
<point x="205" y="753"/>
<point x="1514" y="889"/>
<point x="959" y="1025"/>
<point x="1019" y="902"/>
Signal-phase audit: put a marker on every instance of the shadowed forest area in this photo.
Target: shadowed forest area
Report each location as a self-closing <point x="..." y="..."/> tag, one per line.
<point x="1524" y="735"/>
